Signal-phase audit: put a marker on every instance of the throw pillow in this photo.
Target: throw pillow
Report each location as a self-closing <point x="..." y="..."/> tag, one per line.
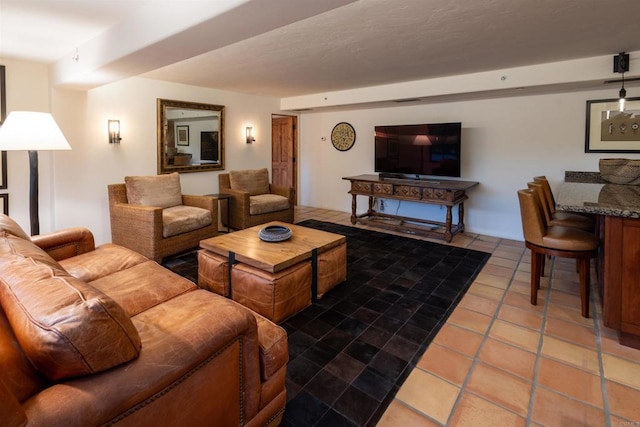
<point x="254" y="181"/>
<point x="66" y="327"/>
<point x="162" y="191"/>
<point x="8" y="225"/>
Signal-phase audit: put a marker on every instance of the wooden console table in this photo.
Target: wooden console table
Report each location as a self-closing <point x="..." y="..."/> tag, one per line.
<point x="444" y="192"/>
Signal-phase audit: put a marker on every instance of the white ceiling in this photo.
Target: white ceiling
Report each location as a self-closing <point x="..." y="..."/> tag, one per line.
<point x="295" y="47"/>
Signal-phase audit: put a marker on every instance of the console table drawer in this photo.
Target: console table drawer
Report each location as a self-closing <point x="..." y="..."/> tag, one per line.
<point x="361" y="187"/>
<point x="410" y="192"/>
<point x="384" y="189"/>
<point x="437" y="194"/>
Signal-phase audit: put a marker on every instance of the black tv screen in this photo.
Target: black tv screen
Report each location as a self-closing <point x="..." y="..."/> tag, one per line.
<point x="411" y="150"/>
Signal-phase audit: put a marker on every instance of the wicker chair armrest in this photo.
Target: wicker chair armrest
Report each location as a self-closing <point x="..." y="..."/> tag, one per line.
<point x="66" y="243"/>
<point x="204" y="202"/>
<point x="138" y="220"/>
<point x="281" y="190"/>
<point x="240" y="203"/>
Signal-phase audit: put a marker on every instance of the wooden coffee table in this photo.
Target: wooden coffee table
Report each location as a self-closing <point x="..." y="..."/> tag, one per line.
<point x="276" y="279"/>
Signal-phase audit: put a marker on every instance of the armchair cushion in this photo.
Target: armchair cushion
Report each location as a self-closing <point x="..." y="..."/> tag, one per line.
<point x="254" y="182"/>
<point x="163" y="191"/>
<point x="266" y="203"/>
<point x="67" y="335"/>
<point x="182" y="219"/>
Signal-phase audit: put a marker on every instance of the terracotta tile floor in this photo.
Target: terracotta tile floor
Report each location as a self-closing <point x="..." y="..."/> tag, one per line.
<point x="499" y="361"/>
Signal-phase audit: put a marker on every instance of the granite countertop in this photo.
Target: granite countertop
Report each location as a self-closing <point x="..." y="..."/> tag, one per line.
<point x="601" y="199"/>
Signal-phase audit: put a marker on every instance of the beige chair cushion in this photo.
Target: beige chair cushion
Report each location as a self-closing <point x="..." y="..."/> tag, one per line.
<point x="159" y="190"/>
<point x="79" y="331"/>
<point x="254" y="181"/>
<point x="266" y="203"/>
<point x="182" y="219"/>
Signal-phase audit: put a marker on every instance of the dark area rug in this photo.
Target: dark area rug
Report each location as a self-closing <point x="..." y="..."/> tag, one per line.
<point x="350" y="352"/>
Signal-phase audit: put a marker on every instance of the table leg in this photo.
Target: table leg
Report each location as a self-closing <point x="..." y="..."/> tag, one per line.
<point x="232" y="260"/>
<point x="461" y="217"/>
<point x="314" y="275"/>
<point x="447" y="228"/>
<point x="353" y="208"/>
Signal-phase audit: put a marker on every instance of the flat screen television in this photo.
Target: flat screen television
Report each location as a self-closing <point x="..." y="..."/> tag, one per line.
<point x="408" y="151"/>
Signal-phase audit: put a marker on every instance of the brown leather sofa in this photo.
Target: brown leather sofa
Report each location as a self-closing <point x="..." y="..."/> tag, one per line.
<point x="92" y="336"/>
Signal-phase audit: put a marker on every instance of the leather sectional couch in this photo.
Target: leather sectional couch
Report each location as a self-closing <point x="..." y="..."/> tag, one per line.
<point x="92" y="336"/>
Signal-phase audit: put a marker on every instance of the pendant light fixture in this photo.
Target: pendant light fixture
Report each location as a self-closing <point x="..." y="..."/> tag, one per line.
<point x="621" y="65"/>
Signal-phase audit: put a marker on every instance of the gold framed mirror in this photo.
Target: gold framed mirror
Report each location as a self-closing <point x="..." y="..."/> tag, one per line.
<point x="190" y="136"/>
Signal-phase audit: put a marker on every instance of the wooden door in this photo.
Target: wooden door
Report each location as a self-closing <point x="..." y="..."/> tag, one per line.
<point x="284" y="150"/>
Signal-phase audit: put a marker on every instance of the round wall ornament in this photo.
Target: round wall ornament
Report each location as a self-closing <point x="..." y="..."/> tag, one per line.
<point x="343" y="136"/>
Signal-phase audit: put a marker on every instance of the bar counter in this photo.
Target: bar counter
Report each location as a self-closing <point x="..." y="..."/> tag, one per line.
<point x="599" y="199"/>
<point x="617" y="209"/>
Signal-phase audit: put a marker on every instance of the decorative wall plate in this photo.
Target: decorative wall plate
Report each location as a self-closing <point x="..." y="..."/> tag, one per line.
<point x="343" y="136"/>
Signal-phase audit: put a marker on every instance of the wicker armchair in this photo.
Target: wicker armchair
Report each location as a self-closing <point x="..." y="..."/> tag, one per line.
<point x="253" y="199"/>
<point x="142" y="228"/>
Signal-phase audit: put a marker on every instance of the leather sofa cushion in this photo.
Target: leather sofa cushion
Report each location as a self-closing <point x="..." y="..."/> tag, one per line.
<point x="182" y="219"/>
<point x="266" y="203"/>
<point x="253" y="181"/>
<point x="106" y="259"/>
<point x="8" y="225"/>
<point x="29" y="250"/>
<point x="12" y="412"/>
<point x="66" y="327"/>
<point x="136" y="296"/>
<point x="162" y="191"/>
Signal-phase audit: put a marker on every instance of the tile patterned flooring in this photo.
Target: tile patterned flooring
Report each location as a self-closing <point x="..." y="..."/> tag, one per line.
<point x="500" y="361"/>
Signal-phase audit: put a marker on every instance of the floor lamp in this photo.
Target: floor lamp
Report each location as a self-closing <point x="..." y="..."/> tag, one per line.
<point x="33" y="132"/>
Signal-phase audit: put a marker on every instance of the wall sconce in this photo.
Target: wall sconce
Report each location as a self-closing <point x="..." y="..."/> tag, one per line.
<point x="621" y="65"/>
<point x="114" y="131"/>
<point x="250" y="137"/>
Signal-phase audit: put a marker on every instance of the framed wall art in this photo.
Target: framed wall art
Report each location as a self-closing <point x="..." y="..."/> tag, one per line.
<point x="182" y="135"/>
<point x="609" y="130"/>
<point x="4" y="203"/>
<point x="3" y="114"/>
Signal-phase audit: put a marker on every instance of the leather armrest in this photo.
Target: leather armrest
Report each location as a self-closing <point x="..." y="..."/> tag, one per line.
<point x="274" y="346"/>
<point x="66" y="243"/>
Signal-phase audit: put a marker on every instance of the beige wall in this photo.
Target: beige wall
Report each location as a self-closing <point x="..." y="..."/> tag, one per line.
<point x="82" y="175"/>
<point x="73" y="184"/>
<point x="506" y="141"/>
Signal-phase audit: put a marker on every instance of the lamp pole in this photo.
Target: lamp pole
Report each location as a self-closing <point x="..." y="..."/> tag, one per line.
<point x="33" y="192"/>
<point x="32" y="131"/>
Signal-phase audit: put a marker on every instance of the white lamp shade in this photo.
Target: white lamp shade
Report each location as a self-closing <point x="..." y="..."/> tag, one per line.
<point x="28" y="130"/>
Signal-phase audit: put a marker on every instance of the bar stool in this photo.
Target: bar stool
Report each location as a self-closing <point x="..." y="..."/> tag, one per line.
<point x="583" y="222"/>
<point x="552" y="217"/>
<point x="559" y="241"/>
